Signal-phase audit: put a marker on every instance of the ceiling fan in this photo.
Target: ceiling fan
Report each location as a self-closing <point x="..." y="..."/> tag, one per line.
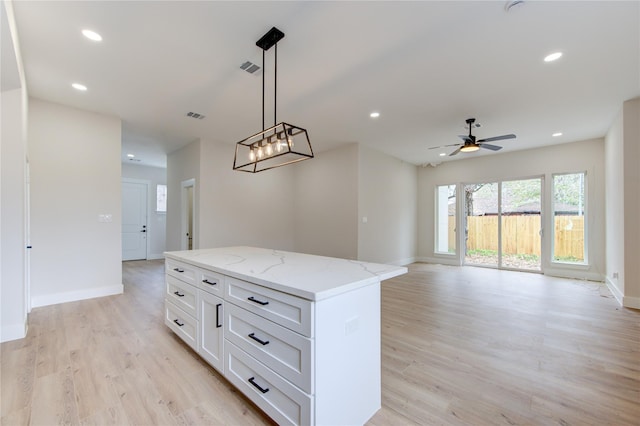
<point x="470" y="143"/>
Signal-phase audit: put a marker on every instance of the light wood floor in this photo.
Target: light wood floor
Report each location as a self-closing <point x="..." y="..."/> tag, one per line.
<point x="459" y="346"/>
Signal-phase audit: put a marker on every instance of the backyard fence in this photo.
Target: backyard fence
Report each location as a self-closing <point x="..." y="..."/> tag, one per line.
<point x="521" y="234"/>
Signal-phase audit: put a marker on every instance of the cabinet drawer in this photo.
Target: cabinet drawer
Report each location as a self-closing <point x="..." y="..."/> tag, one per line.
<point x="282" y="401"/>
<point x="182" y="271"/>
<point x="211" y="282"/>
<point x="182" y="295"/>
<point x="287" y="353"/>
<point x="289" y="311"/>
<point x="183" y="324"/>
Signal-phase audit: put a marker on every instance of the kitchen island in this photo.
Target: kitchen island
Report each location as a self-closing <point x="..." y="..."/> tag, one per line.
<point x="298" y="334"/>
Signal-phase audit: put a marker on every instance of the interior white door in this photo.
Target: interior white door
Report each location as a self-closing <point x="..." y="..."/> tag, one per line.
<point x="134" y="221"/>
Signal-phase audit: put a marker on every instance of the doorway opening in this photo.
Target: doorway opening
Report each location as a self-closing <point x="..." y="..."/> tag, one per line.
<point x="188" y="202"/>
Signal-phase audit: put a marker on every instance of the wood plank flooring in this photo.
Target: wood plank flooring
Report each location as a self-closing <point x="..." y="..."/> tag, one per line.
<point x="460" y="346"/>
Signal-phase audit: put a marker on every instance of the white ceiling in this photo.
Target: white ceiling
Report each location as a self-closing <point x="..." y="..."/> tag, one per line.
<point x="425" y="66"/>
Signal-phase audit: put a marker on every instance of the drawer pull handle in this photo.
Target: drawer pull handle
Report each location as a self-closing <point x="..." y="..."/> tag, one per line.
<point x="177" y="293"/>
<point x="259" y="302"/>
<point x="178" y="270"/>
<point x="206" y="281"/>
<point x="262" y="342"/>
<point x="177" y="321"/>
<point x="218" y="325"/>
<point x="261" y="389"/>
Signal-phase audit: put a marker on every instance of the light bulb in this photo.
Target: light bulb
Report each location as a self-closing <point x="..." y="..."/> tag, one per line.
<point x="252" y="155"/>
<point x="260" y="152"/>
<point x="269" y="149"/>
<point x="279" y="145"/>
<point x="290" y="140"/>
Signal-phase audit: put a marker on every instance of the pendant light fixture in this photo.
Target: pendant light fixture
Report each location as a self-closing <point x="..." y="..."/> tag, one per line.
<point x="279" y="145"/>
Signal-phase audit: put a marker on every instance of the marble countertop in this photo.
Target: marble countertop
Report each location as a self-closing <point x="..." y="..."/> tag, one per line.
<point x="308" y="276"/>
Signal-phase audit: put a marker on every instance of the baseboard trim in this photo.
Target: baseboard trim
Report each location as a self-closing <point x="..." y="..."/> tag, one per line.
<point x="403" y="262"/>
<point x="439" y="260"/>
<point x="631" y="302"/>
<point x="73" y="296"/>
<point x="614" y="290"/>
<point x="155" y="256"/>
<point x="13" y="332"/>
<point x="574" y="274"/>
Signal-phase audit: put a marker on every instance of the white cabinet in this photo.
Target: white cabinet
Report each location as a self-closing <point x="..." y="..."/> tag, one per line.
<point x="183" y="324"/>
<point x="211" y="330"/>
<point x="299" y="335"/>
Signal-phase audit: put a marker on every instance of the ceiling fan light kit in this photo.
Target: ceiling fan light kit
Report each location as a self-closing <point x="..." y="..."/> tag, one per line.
<point x="276" y="146"/>
<point x="470" y="144"/>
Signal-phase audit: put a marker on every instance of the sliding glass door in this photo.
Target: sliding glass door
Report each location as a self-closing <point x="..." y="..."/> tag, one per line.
<point x="481" y="228"/>
<point x="503" y="224"/>
<point x="521" y="223"/>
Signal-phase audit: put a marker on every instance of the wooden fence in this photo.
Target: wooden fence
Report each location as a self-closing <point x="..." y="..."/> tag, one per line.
<point x="521" y="234"/>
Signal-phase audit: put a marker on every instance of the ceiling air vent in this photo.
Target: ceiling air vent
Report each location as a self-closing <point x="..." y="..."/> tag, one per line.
<point x="249" y="67"/>
<point x="195" y="115"/>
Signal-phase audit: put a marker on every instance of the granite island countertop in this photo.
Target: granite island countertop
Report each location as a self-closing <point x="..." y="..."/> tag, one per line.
<point x="308" y="276"/>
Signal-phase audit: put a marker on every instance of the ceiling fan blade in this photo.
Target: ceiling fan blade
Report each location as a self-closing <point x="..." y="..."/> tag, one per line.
<point x="455" y="152"/>
<point x="444" y="146"/>
<point x="491" y="147"/>
<point x="498" y="138"/>
<point x="465" y="138"/>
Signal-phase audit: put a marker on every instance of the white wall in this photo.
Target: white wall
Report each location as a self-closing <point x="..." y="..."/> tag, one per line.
<point x="157" y="222"/>
<point x="75" y="177"/>
<point x="387" y="197"/>
<point x="631" y="111"/>
<point x="572" y="157"/>
<point x="326" y="203"/>
<point x="622" y="156"/>
<point x="14" y="303"/>
<point x="238" y="208"/>
<point x="182" y="164"/>
<point x="232" y="208"/>
<point x="12" y="217"/>
<point x="614" y="207"/>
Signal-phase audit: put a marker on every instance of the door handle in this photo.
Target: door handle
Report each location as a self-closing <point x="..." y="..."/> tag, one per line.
<point x="144" y="230"/>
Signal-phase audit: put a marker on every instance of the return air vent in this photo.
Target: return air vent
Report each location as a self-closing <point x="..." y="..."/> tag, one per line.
<point x="195" y="115"/>
<point x="249" y="67"/>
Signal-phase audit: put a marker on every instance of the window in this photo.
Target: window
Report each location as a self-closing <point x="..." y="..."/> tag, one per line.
<point x="161" y="198"/>
<point x="445" y="219"/>
<point x="569" y="209"/>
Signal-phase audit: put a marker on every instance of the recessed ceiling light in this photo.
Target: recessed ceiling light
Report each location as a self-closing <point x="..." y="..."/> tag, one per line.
<point x="79" y="86"/>
<point x="555" y="135"/>
<point x="552" y="57"/>
<point x="130" y="155"/>
<point x="442" y="154"/>
<point x="374" y="114"/>
<point x="92" y="35"/>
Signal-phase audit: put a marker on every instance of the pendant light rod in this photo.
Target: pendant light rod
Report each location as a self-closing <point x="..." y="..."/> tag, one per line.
<point x="275" y="84"/>
<point x="263" y="72"/>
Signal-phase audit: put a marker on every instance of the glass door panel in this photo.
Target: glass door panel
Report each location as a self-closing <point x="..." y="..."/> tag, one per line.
<point x="520" y="212"/>
<point x="481" y="224"/>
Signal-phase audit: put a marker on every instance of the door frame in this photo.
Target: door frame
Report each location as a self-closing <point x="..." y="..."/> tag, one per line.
<point x="147" y="183"/>
<point x="462" y="224"/>
<point x="184" y="211"/>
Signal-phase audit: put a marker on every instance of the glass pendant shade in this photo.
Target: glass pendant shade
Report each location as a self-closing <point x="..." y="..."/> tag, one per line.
<point x="291" y="145"/>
